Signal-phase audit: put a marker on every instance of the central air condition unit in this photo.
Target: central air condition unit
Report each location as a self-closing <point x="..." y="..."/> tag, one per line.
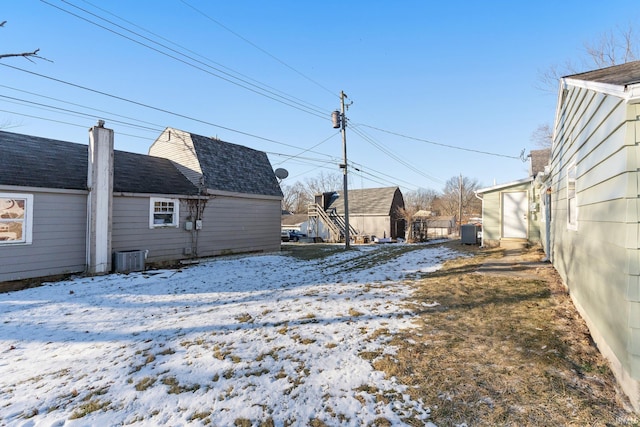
<point x="469" y="234"/>
<point x="128" y="261"/>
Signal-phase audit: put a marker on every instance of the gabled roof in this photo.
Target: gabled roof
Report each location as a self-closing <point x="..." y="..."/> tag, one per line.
<point x="218" y="165"/>
<point x="31" y="161"/>
<point x="622" y="81"/>
<point x="369" y="201"/>
<point x="620" y="75"/>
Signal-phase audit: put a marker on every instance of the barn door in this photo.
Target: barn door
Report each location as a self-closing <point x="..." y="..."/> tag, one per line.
<point x="514" y="215"/>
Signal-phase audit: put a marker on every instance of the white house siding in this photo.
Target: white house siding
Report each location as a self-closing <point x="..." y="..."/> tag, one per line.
<point x="59" y="228"/>
<point x="600" y="261"/>
<point x="177" y="146"/>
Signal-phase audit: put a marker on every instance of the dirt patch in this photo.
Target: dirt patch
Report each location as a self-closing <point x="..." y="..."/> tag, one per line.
<point x="491" y="348"/>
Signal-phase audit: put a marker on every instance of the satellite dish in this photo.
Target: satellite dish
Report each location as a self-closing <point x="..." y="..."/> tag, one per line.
<point x="282" y="173"/>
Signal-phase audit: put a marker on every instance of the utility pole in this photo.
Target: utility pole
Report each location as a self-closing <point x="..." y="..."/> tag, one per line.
<point x="460" y="207"/>
<point x="340" y="121"/>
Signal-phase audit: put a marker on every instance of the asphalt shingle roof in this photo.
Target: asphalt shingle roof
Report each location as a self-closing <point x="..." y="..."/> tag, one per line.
<point x="621" y="75"/>
<point x="367" y="201"/>
<point x="32" y="161"/>
<point x="235" y="168"/>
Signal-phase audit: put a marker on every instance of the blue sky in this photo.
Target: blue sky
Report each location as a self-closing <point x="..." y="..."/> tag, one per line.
<point x="444" y="74"/>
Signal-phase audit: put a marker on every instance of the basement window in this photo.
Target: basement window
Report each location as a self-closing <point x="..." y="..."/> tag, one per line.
<point x="163" y="212"/>
<point x="572" y="199"/>
<point x="16" y="218"/>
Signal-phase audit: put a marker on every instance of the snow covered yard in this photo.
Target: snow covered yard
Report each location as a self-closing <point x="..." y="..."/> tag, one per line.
<point x="253" y="340"/>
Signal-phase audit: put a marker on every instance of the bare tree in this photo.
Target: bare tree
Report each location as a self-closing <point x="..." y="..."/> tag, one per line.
<point x="296" y="198"/>
<point x="27" y="55"/>
<point x="324" y="183"/>
<point x="613" y="48"/>
<point x="420" y="199"/>
<point x="610" y="48"/>
<point x="543" y="136"/>
<point x="459" y="198"/>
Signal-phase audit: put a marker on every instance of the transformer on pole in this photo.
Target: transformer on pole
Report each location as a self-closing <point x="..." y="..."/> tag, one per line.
<point x="340" y="121"/>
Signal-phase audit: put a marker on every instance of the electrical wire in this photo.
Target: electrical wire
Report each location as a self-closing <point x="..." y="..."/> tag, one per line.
<point x="310" y="148"/>
<point x="439" y="144"/>
<point x="79" y="113"/>
<point x="157" y="126"/>
<point x="393" y="156"/>
<point x="64" y="123"/>
<point x="260" y="49"/>
<point x="197" y="54"/>
<point x="266" y="93"/>
<point x="141" y="104"/>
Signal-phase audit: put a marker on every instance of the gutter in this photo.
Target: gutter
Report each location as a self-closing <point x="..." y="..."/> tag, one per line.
<point x="475" y="193"/>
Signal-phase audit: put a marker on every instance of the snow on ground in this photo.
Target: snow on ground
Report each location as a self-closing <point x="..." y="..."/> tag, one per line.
<point x="259" y="338"/>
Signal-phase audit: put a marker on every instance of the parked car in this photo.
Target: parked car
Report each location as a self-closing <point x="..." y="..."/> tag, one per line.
<point x="284" y="236"/>
<point x="295" y="236"/>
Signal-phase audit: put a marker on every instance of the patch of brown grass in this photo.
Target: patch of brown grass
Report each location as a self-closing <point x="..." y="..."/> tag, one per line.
<point x="502" y="350"/>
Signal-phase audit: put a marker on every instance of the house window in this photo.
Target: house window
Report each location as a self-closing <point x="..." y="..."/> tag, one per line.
<point x="163" y="213"/>
<point x="572" y="202"/>
<point x="16" y="218"/>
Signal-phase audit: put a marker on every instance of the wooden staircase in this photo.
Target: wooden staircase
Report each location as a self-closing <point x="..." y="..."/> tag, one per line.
<point x="334" y="223"/>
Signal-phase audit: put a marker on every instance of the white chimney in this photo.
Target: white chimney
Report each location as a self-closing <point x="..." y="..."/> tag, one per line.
<point x="99" y="202"/>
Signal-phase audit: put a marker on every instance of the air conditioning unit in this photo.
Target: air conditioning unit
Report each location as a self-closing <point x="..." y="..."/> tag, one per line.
<point x="128" y="261"/>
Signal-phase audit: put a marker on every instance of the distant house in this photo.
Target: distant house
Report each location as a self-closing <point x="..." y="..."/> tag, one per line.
<point x="297" y="222"/>
<point x="372" y="212"/>
<point x="425" y="226"/>
<point x="67" y="207"/>
<point x="510" y="212"/>
<point x="592" y="204"/>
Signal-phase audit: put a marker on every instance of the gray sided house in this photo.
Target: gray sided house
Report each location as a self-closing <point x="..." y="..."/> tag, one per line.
<point x="243" y="198"/>
<point x="67" y="207"/>
<point x="511" y="212"/>
<point x="593" y="199"/>
<point x="373" y="211"/>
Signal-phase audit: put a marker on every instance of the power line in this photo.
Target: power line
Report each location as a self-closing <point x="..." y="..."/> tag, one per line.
<point x="403" y="162"/>
<point x="311" y="148"/>
<point x="80" y="105"/>
<point x="196" y="53"/>
<point x="259" y="48"/>
<point x="439" y="144"/>
<point x="141" y="104"/>
<point x="64" y="123"/>
<point x="266" y="93"/>
<point x="77" y="113"/>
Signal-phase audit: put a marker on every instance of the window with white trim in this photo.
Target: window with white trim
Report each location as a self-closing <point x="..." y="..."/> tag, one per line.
<point x="163" y="212"/>
<point x="16" y="218"/>
<point x="572" y="199"/>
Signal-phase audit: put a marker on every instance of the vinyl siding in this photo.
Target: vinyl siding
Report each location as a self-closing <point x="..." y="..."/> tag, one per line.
<point x="59" y="227"/>
<point x="599" y="261"/>
<point x="130" y="230"/>
<point x="229" y="225"/>
<point x="177" y="146"/>
<point x="492" y="229"/>
<point x="236" y="225"/>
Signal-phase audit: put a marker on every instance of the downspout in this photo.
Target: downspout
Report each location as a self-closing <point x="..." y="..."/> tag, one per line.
<point x="475" y="193"/>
